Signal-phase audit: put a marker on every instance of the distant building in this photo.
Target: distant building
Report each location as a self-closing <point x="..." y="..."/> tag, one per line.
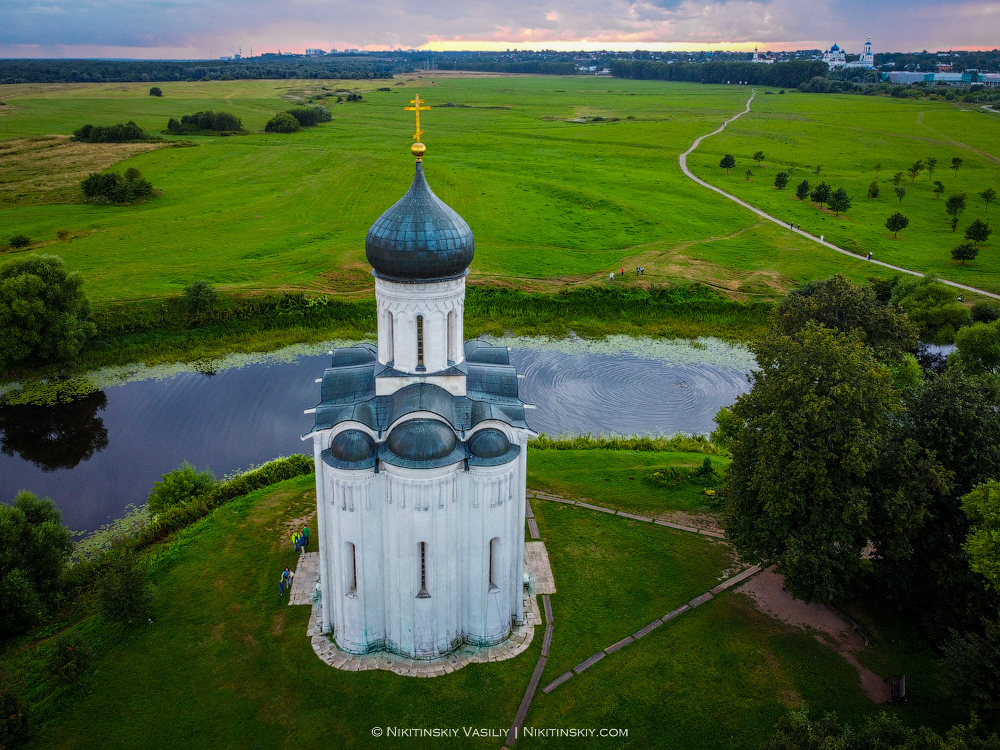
<point x="835" y="57"/>
<point x="990" y="80"/>
<point x="315" y="53"/>
<point x="759" y="58"/>
<point x="867" y="59"/>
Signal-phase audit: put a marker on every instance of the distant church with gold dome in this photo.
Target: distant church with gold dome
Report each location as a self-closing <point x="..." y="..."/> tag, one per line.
<point x="420" y="445"/>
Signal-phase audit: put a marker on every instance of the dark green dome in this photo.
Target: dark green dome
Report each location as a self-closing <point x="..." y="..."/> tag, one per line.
<point x="420" y="238"/>
<point x="489" y="443"/>
<point x="352" y="445"/>
<point x="422" y="440"/>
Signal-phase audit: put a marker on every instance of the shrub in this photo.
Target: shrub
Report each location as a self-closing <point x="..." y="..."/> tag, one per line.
<point x="173" y="125"/>
<point x="43" y="310"/>
<point x="984" y="312"/>
<point x="15" y="714"/>
<point x="116" y="189"/>
<point x="19" y="241"/>
<point x="70" y="658"/>
<point x="120" y="133"/>
<point x="155" y="91"/>
<point x="62" y="234"/>
<point x="123" y="594"/>
<point x="310" y="116"/>
<point x="282" y="123"/>
<point x="200" y="297"/>
<point x="214" y="121"/>
<point x="781" y="180"/>
<point x="180" y="486"/>
<point x="873" y="189"/>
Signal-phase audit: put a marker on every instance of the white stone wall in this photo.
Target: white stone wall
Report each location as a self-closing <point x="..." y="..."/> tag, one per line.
<point x="442" y="306"/>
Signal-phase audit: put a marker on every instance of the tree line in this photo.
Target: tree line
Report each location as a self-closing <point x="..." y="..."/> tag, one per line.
<point x="782" y="75"/>
<point x="538" y="67"/>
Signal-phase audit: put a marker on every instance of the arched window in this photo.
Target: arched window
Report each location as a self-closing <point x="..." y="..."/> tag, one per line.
<point x="452" y="336"/>
<point x="494" y="562"/>
<point x="351" y="568"/>
<point x="420" y="342"/>
<point x="423" y="572"/>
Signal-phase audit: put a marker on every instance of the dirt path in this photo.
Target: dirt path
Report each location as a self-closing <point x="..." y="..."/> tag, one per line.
<point x="765" y="589"/>
<point x="952" y="141"/>
<point x="818" y="240"/>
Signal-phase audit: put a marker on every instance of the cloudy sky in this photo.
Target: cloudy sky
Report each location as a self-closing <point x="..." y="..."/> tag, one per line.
<point x="212" y="28"/>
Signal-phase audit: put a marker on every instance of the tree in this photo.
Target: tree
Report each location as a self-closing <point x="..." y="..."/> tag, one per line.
<point x="156" y="91"/>
<point x="818" y="168"/>
<point x="931" y="164"/>
<point x="19" y="241"/>
<point x="938" y="189"/>
<point x="727" y="162"/>
<point x="932" y="306"/>
<point x="977" y="348"/>
<point x="15" y="714"/>
<point x="727" y="427"/>
<point x="839" y="201"/>
<point x="815" y="424"/>
<point x="180" y="486"/>
<point x="70" y="658"/>
<point x="978" y="231"/>
<point x="954" y="207"/>
<point x="781" y="180"/>
<point x="984" y="312"/>
<point x="282" y="123"/>
<point x="820" y="194"/>
<point x="965" y="251"/>
<point x="200" y="297"/>
<point x="897" y="178"/>
<point x="971" y="668"/>
<point x="117" y="189"/>
<point x="748" y="174"/>
<point x="988" y="195"/>
<point x="956" y="162"/>
<point x="915" y="169"/>
<point x="802" y="191"/>
<point x="34" y="548"/>
<point x="873" y="189"/>
<point x="43" y="311"/>
<point x="900" y="193"/>
<point x="758" y="156"/>
<point x="123" y="594"/>
<point x="982" y="506"/>
<point x="878" y="168"/>
<point x="896" y="222"/>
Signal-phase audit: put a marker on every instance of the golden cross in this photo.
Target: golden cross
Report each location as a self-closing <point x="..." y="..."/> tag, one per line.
<point x="416" y="102"/>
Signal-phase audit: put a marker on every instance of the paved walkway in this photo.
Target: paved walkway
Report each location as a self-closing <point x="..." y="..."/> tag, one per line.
<point x="684" y="168"/>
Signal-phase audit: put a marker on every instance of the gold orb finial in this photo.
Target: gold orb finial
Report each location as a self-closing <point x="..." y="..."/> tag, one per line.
<point x="418" y="149"/>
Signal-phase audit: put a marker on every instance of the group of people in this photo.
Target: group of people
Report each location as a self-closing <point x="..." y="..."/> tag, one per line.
<point x="300" y="542"/>
<point x="639" y="271"/>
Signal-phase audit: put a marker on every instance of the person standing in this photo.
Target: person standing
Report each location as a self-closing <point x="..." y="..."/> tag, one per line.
<point x="612" y="277"/>
<point x="281" y="584"/>
<point x="305" y="539"/>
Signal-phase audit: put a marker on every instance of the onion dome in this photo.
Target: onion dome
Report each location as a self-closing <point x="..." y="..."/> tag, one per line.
<point x="835" y="48"/>
<point x="488" y="443"/>
<point x="420" y="238"/>
<point x="351" y="446"/>
<point x="422" y="440"/>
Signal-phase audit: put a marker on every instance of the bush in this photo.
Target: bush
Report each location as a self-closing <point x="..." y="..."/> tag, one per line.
<point x="123" y="594"/>
<point x="116" y="189"/>
<point x="200" y="297"/>
<point x="155" y="91"/>
<point x="984" y="312"/>
<point x="70" y="658"/>
<point x="873" y="189"/>
<point x="310" y="116"/>
<point x="932" y="306"/>
<point x="15" y="714"/>
<point x="120" y="133"/>
<point x="19" y="241"/>
<point x="43" y="310"/>
<point x="178" y="487"/>
<point x="62" y="235"/>
<point x="282" y="123"/>
<point x="218" y="122"/>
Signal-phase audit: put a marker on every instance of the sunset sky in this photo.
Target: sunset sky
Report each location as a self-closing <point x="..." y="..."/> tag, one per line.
<point x="212" y="28"/>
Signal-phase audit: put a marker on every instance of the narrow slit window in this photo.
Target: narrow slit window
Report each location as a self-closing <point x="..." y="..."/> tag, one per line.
<point x="389" y="356"/>
<point x="494" y="562"/>
<point x="420" y="341"/>
<point x="423" y="572"/>
<point x="352" y="570"/>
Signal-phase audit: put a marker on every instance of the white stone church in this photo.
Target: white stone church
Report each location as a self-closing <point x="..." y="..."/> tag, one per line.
<point x="420" y="450"/>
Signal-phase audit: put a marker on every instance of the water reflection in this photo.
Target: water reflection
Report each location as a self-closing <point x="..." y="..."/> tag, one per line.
<point x="54" y="437"/>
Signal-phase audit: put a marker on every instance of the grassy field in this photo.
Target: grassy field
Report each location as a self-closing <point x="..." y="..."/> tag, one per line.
<point x="847" y="136"/>
<point x="552" y="202"/>
<point x="226" y="664"/>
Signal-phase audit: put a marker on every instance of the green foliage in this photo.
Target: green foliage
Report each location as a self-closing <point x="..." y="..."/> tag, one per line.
<point x="978" y="232"/>
<point x="932" y="306"/>
<point x="802" y="191"/>
<point x="156" y="91"/>
<point x="675" y="444"/>
<point x="121" y="133"/>
<point x="113" y="188"/>
<point x="985" y="312"/>
<point x="748" y="174"/>
<point x="982" y="506"/>
<point x="727" y="428"/>
<point x="200" y="297"/>
<point x="70" y="658"/>
<point x="43" y="310"/>
<point x="123" y="592"/>
<point x="938" y="189"/>
<point x="897" y="178"/>
<point x="216" y="122"/>
<point x="282" y="123"/>
<point x="15" y="714"/>
<point x="781" y="180"/>
<point x="964" y="251"/>
<point x="798" y="495"/>
<point x="915" y="169"/>
<point x="896" y="222"/>
<point x="839" y="201"/>
<point x="931" y="163"/>
<point x="727" y="162"/>
<point x="900" y="192"/>
<point x="310" y="116"/>
<point x="971" y="667"/>
<point x="178" y="487"/>
<point x="34" y="548"/>
<point x="954" y="207"/>
<point x="988" y="195"/>
<point x="19" y="241"/>
<point x="784" y="74"/>
<point x="956" y="162"/>
<point x="821" y="194"/>
<point x="873" y="189"/>
<point x="758" y="156"/>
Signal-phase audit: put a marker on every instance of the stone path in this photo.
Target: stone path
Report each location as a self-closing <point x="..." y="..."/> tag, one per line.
<point x="818" y="240"/>
<point x="305" y="579"/>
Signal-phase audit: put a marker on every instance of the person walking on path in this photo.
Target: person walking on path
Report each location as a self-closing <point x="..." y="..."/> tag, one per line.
<point x="869" y="256"/>
<point x="281" y="584"/>
<point x="612" y="277"/>
<point x="305" y="539"/>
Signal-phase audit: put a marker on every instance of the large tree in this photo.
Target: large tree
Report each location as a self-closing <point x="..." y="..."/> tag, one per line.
<point x="43" y="310"/>
<point x="727" y="162"/>
<point x="954" y="207"/>
<point x="896" y="222"/>
<point x="978" y="231"/>
<point x="815" y="425"/>
<point x="839" y="201"/>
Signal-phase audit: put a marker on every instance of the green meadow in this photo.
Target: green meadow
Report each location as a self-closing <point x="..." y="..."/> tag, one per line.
<point x="553" y="203"/>
<point x="226" y="663"/>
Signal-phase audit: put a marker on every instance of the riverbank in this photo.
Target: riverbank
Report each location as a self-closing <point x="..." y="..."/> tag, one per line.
<point x="162" y="331"/>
